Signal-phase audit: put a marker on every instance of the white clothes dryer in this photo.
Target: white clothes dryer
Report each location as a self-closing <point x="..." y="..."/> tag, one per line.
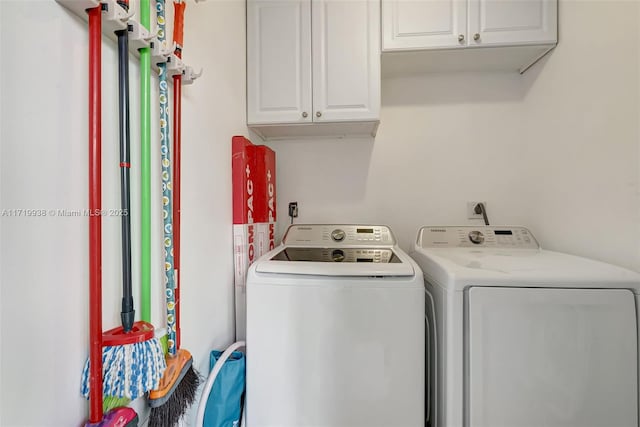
<point x="524" y="337"/>
<point x="335" y="331"/>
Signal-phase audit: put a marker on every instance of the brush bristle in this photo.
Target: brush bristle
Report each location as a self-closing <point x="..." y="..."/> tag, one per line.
<point x="168" y="414"/>
<point x="189" y="386"/>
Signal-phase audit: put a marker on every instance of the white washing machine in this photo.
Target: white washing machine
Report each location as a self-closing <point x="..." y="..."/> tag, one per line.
<point x="335" y="331"/>
<point x="523" y="337"/>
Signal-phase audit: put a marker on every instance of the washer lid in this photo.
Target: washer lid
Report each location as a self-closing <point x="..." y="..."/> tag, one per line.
<point x="341" y="261"/>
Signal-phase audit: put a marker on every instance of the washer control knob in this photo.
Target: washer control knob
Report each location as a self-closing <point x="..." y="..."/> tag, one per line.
<point x="338" y="235"/>
<point x="337" y="255"/>
<point x="476" y="237"/>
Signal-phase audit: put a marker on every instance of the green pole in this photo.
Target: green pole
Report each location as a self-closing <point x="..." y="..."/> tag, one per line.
<point x="145" y="169"/>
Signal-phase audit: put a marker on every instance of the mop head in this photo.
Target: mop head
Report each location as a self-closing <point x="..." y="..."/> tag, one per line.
<point x="129" y="370"/>
<point x="176" y="393"/>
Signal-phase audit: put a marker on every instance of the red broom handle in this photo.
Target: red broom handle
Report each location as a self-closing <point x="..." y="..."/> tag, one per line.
<point x="178" y="28"/>
<point x="95" y="225"/>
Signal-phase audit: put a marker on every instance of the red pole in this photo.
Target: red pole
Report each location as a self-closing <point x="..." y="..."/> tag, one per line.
<point x="95" y="224"/>
<point x="178" y="27"/>
<point x="177" y="122"/>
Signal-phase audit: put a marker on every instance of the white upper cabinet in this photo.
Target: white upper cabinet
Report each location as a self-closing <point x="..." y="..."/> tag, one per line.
<point x="279" y="68"/>
<point x="512" y="22"/>
<point x="346" y="64"/>
<point x="439" y="35"/>
<point x="313" y="67"/>
<point x="423" y="24"/>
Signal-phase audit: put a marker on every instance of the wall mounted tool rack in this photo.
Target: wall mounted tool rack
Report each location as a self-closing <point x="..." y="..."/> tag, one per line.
<point x="115" y="18"/>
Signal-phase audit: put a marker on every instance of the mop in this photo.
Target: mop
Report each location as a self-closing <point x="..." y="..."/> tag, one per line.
<point x="132" y="357"/>
<point x="121" y="417"/>
<point x="180" y="381"/>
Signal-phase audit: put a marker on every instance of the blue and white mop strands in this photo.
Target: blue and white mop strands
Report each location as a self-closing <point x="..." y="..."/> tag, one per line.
<point x="128" y="370"/>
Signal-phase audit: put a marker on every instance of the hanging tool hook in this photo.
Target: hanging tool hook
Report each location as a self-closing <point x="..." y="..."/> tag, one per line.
<point x="115" y="15"/>
<point x="150" y="36"/>
<point x="188" y="75"/>
<point x="174" y="65"/>
<point x="130" y="14"/>
<point x="138" y="35"/>
<point x="159" y="51"/>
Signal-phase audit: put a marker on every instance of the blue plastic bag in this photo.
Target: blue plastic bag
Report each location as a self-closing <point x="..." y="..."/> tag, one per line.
<point x="224" y="405"/>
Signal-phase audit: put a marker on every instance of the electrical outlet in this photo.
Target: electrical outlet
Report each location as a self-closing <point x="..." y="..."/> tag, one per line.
<point x="471" y="213"/>
<point x="293" y="209"/>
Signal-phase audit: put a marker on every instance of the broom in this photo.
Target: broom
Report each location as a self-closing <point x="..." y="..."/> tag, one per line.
<point x="132" y="357"/>
<point x="178" y="31"/>
<point x="180" y="381"/>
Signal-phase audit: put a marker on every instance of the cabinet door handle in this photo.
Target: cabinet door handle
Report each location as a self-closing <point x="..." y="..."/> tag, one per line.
<point x="461" y="38"/>
<point x="476" y="36"/>
<point x="318" y="114"/>
<point x="304" y="114"/>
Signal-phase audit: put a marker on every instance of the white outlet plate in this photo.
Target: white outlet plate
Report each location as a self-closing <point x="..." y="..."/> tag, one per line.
<point x="470" y="210"/>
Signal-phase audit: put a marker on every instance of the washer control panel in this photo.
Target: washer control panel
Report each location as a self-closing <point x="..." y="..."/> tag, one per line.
<point x="338" y="235"/>
<point x="469" y="236"/>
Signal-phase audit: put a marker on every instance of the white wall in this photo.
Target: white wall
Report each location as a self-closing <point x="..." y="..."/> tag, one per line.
<point x="584" y="163"/>
<point x="44" y="156"/>
<point x="555" y="149"/>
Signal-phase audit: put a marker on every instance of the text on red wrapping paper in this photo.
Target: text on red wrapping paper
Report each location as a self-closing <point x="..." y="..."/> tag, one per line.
<point x="250" y="238"/>
<point x="272" y="242"/>
<point x="249" y="196"/>
<point x="271" y="207"/>
<point x="250" y="231"/>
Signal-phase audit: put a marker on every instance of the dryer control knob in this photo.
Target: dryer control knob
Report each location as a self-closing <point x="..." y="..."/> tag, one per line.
<point x="338" y="235"/>
<point x="476" y="237"/>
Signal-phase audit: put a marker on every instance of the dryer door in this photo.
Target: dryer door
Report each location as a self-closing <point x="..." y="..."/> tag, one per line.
<point x="551" y="357"/>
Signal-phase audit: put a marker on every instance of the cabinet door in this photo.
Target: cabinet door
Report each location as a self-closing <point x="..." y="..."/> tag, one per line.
<point x="512" y="22"/>
<point x="423" y="24"/>
<point x="278" y="61"/>
<point x="346" y="60"/>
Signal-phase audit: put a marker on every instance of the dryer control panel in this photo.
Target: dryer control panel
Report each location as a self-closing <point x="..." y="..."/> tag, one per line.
<point x="470" y="236"/>
<point x="336" y="235"/>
